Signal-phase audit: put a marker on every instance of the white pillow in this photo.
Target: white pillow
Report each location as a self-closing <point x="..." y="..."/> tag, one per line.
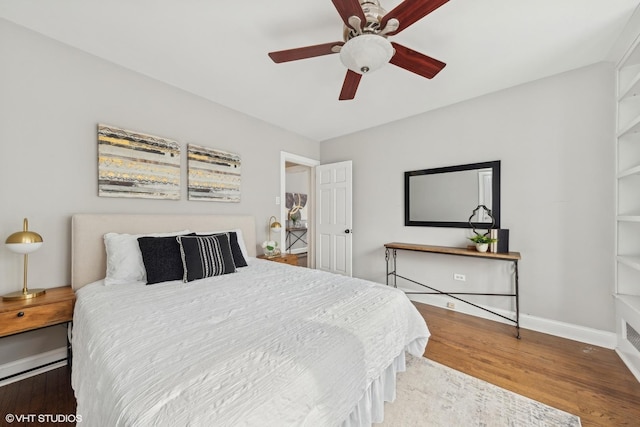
<point x="124" y="259"/>
<point x="238" y="231"/>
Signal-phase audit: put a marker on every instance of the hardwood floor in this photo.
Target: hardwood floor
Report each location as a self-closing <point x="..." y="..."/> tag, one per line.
<point x="44" y="394"/>
<point x="588" y="381"/>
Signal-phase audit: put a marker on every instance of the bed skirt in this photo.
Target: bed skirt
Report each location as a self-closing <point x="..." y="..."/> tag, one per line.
<point x="370" y="408"/>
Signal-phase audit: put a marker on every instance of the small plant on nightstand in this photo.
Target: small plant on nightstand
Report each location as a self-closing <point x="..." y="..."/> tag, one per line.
<point x="270" y="248"/>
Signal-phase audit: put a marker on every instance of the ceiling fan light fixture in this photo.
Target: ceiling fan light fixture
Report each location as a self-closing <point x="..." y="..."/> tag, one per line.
<point x="366" y="53"/>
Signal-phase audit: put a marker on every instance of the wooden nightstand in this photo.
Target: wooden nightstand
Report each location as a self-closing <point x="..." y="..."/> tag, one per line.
<point x="291" y="259"/>
<point x="52" y="308"/>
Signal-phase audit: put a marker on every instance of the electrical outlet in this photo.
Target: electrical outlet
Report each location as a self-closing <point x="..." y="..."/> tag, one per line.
<point x="277" y="200"/>
<point x="451" y="305"/>
<point x="460" y="277"/>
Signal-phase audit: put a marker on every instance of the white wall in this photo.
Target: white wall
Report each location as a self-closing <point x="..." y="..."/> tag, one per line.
<point x="298" y="179"/>
<point x="555" y="140"/>
<point x="51" y="99"/>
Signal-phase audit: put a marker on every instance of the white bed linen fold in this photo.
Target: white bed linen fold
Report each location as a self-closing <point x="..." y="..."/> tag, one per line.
<point x="271" y="345"/>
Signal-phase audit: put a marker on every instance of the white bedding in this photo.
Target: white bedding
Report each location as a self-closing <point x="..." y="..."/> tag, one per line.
<point x="270" y="345"/>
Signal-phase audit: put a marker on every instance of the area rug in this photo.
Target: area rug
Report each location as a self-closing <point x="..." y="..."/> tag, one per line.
<point x="431" y="394"/>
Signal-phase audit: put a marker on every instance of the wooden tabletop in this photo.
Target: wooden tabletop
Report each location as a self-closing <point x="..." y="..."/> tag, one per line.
<point x="510" y="256"/>
<point x="53" y="295"/>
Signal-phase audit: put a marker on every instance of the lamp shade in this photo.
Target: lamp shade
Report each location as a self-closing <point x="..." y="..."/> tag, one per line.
<point x="25" y="241"/>
<point x="275" y="225"/>
<point x="366" y="53"/>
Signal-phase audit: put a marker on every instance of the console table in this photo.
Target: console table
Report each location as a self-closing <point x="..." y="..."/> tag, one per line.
<point x="446" y="250"/>
<point x="299" y="237"/>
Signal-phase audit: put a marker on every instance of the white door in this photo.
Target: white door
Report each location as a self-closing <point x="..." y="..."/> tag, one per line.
<point x="333" y="218"/>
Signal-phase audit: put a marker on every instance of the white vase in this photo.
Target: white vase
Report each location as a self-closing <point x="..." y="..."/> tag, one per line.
<point x="482" y="247"/>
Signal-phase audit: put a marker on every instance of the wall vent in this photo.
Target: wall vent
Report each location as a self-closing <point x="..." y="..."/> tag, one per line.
<point x="633" y="337"/>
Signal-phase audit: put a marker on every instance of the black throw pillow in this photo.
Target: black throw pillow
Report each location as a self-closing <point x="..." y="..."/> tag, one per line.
<point x="161" y="258"/>
<point x="205" y="256"/>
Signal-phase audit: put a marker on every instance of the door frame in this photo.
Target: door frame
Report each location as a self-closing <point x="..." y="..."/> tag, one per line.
<point x="311" y="163"/>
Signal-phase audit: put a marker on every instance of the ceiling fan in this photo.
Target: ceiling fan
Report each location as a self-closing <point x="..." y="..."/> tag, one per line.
<point x="365" y="47"/>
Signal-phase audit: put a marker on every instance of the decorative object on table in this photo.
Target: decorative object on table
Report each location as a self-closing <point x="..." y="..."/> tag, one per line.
<point x="482" y="241"/>
<point x="213" y="175"/>
<point x="487" y="214"/>
<point x="296" y="203"/>
<point x="493" y="247"/>
<point x="294" y="219"/>
<point x="271" y="246"/>
<point x="24" y="242"/>
<point x="132" y="164"/>
<point x="501" y="245"/>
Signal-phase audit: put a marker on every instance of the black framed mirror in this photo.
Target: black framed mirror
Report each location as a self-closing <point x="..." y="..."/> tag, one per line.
<point x="446" y="196"/>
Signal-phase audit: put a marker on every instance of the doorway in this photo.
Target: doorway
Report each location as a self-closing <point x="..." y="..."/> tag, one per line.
<point x="297" y="195"/>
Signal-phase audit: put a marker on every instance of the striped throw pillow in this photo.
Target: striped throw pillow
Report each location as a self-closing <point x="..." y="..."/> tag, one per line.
<point x="205" y="256"/>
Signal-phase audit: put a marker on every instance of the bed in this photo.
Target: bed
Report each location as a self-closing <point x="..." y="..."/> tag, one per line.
<point x="269" y="344"/>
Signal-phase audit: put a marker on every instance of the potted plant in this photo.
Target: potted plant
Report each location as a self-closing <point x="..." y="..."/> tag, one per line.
<point x="270" y="248"/>
<point x="482" y="242"/>
<point x="295" y="218"/>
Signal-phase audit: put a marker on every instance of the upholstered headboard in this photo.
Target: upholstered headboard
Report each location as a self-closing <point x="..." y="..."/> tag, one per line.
<point x="88" y="256"/>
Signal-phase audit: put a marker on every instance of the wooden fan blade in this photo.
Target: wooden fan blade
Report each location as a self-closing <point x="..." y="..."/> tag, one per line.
<point x="348" y="8"/>
<point x="350" y="85"/>
<point x="415" y="62"/>
<point x="410" y="11"/>
<point x="304" y="52"/>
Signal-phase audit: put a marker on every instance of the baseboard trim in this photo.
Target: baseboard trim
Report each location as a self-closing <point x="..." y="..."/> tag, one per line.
<point x="32" y="365"/>
<point x="552" y="327"/>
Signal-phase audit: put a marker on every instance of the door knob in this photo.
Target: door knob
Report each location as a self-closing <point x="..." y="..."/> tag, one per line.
<point x="347" y="231"/>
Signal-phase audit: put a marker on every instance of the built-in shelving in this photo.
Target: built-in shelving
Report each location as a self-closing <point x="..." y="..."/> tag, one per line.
<point x="629" y="218"/>
<point x="632" y="301"/>
<point x="628" y="172"/>
<point x="631" y="261"/>
<point x="632" y="127"/>
<point x="627" y="280"/>
<point x="633" y="89"/>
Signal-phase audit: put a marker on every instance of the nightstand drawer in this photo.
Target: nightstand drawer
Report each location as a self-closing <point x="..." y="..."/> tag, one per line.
<point x="291" y="259"/>
<point x="28" y="318"/>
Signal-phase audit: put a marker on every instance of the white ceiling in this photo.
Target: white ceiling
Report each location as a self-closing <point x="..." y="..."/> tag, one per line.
<point x="218" y="50"/>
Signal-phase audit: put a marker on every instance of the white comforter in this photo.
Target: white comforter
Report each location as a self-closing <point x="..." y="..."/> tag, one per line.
<point x="271" y="345"/>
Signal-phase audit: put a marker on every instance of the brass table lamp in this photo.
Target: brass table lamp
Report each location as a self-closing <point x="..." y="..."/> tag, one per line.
<point x="274" y="226"/>
<point x="24" y="242"/>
